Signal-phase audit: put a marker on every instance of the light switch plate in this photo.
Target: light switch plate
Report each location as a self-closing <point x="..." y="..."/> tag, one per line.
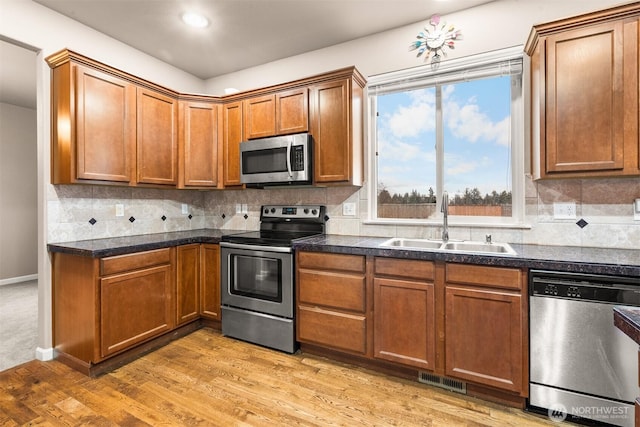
<point x="636" y="210"/>
<point x="564" y="210"/>
<point x="185" y="208"/>
<point x="238" y="208"/>
<point x="349" y="209"/>
<point x="245" y="208"/>
<point x="119" y="209"/>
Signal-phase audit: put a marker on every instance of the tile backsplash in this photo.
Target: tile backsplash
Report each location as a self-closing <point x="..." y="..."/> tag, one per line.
<point x="605" y="204"/>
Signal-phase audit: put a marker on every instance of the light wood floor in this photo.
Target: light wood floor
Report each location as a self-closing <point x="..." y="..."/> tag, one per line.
<point x="207" y="379"/>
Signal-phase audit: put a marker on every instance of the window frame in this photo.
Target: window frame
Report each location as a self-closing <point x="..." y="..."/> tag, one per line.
<point x="511" y="61"/>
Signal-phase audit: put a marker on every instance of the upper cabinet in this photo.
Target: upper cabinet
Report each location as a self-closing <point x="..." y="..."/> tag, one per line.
<point x="336" y="126"/>
<point x="94" y="122"/>
<point x="278" y="113"/>
<point x="585" y="96"/>
<point x="232" y="119"/>
<point x="107" y="128"/>
<point x="198" y="144"/>
<point x="157" y="138"/>
<point x="110" y="127"/>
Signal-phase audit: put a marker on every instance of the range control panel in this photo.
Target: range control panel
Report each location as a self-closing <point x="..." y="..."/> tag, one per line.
<point x="298" y="212"/>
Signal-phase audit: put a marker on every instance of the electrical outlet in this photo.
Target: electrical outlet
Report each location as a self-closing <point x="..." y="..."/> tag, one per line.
<point x="119" y="209"/>
<point x="185" y="209"/>
<point x="636" y="210"/>
<point x="238" y="208"/>
<point x="245" y="208"/>
<point x="564" y="210"/>
<point x="349" y="209"/>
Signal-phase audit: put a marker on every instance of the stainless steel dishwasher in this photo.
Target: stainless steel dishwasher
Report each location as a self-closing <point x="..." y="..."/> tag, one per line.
<point x="581" y="365"/>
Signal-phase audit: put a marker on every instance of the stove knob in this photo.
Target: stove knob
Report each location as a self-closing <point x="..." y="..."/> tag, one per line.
<point x="273" y="210"/>
<point x="306" y="210"/>
<point x="266" y="211"/>
<point x="314" y="211"/>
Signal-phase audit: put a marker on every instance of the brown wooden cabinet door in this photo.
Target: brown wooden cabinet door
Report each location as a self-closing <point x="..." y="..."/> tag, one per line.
<point x="157" y="142"/>
<point x="134" y="307"/>
<point x="187" y="283"/>
<point x="198" y="145"/>
<point x="105" y="126"/>
<point x="292" y="111"/>
<point x="404" y="322"/>
<point x="232" y="118"/>
<point x="210" y="280"/>
<point x="484" y="336"/>
<point x="259" y="116"/>
<point x="330" y="127"/>
<point x="584" y="99"/>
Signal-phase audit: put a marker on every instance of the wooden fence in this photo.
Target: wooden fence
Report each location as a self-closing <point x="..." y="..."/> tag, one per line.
<point x="427" y="210"/>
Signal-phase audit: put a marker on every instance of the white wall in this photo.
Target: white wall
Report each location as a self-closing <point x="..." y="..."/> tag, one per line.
<point x="24" y="22"/>
<point x="18" y="193"/>
<point x="495" y="25"/>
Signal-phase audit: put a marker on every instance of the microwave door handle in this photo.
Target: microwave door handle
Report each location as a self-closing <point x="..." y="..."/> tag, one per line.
<point x="289" y="158"/>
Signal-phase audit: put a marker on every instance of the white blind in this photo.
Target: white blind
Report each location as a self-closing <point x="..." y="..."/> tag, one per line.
<point x="502" y="62"/>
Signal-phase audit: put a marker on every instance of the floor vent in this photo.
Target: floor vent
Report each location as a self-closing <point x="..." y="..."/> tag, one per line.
<point x="445" y="383"/>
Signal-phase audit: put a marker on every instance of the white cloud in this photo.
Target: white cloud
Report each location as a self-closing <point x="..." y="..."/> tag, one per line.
<point x="468" y="122"/>
<point x="459" y="168"/>
<point x="418" y="117"/>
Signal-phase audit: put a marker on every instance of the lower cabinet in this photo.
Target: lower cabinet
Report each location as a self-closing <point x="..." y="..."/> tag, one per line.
<point x="485" y="326"/>
<point x="463" y="321"/>
<point x="210" y="281"/>
<point x="404" y="312"/>
<point x="187" y="283"/>
<point x="103" y="307"/>
<point x="331" y="300"/>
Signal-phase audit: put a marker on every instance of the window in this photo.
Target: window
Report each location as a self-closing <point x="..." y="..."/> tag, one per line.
<point x="457" y="129"/>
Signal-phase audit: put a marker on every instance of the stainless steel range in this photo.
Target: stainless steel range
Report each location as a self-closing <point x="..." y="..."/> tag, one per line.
<point x="257" y="270"/>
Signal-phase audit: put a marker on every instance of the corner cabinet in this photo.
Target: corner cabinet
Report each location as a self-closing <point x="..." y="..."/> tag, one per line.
<point x="585" y="97"/>
<point x="198" y="144"/>
<point x="232" y="121"/>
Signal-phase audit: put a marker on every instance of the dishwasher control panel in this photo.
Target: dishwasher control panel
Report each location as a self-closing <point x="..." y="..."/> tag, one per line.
<point x="613" y="289"/>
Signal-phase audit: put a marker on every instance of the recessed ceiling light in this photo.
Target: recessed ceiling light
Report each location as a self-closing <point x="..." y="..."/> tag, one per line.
<point x="194" y="19"/>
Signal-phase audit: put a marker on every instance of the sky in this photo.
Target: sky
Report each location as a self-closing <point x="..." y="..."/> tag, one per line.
<point x="476" y="116"/>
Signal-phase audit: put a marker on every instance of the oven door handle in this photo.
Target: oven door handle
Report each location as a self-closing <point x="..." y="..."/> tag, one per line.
<point x="289" y="158"/>
<point x="255" y="247"/>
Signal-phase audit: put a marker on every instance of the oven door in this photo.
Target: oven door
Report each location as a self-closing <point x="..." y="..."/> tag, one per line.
<point x="257" y="278"/>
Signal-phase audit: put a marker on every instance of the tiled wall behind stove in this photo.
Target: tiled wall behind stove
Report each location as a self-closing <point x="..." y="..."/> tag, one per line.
<point x="604" y="204"/>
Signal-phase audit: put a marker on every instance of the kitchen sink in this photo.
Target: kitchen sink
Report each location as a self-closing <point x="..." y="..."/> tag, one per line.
<point x="439" y="245"/>
<point x="494" y="248"/>
<point x="400" y="242"/>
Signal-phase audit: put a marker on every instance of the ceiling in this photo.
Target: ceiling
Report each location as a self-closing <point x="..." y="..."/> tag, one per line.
<point x="241" y="34"/>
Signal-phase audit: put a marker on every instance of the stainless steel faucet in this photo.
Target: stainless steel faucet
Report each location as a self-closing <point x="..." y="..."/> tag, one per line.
<point x="444" y="208"/>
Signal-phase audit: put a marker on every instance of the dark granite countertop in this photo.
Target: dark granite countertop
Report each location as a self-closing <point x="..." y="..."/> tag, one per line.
<point x="622" y="262"/>
<point x="98" y="248"/>
<point x="627" y="319"/>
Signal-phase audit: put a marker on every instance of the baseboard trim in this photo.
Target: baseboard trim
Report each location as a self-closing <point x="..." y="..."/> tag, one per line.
<point x="44" y="354"/>
<point x="12" y="280"/>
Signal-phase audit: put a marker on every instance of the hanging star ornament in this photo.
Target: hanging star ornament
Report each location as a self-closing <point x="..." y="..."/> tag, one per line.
<point x="432" y="42"/>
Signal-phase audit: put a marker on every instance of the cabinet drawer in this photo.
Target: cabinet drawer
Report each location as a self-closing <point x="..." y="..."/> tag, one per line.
<point x="411" y="269"/>
<point x="494" y="277"/>
<point x="332" y="329"/>
<point x="324" y="261"/>
<point x="136" y="261"/>
<point x="331" y="289"/>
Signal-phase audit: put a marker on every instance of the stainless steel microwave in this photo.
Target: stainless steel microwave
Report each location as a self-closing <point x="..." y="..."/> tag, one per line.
<point x="278" y="160"/>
